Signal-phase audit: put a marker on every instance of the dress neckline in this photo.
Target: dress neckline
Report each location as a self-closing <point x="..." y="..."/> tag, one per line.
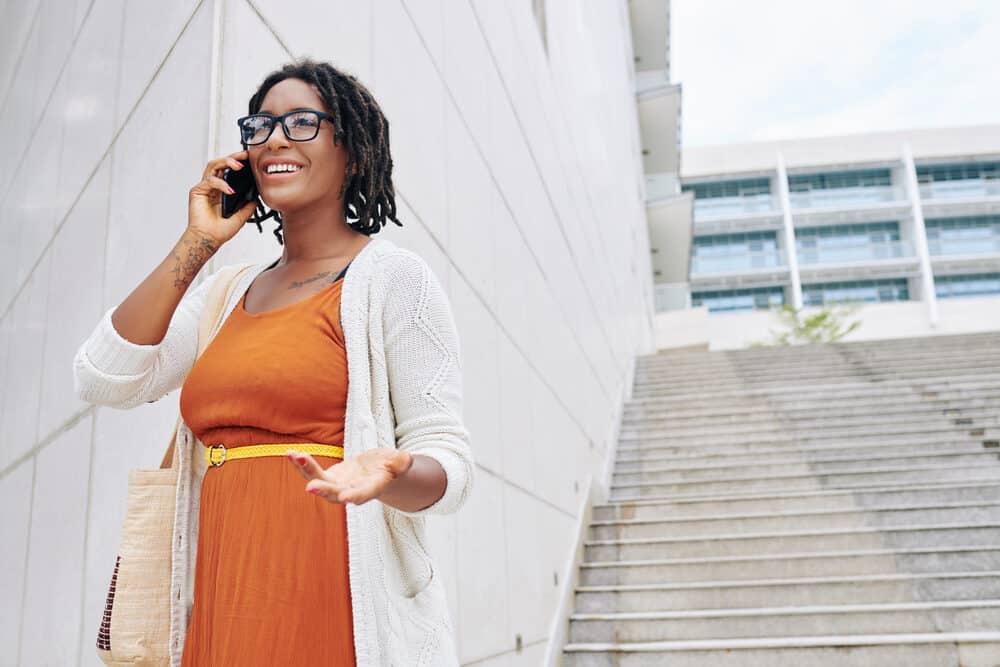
<point x="280" y="309"/>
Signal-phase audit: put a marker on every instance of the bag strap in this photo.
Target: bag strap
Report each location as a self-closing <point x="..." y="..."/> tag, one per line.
<point x="218" y="296"/>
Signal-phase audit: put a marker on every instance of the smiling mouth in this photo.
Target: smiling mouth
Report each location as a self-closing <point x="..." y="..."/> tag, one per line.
<point x="282" y="175"/>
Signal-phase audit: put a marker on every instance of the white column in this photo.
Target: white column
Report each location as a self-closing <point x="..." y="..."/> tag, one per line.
<point x="920" y="236"/>
<point x="786" y="211"/>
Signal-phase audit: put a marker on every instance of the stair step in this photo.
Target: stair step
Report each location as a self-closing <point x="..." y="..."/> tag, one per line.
<point x="709" y="375"/>
<point x="805" y="591"/>
<point x="797" y="493"/>
<point x="790" y="565"/>
<point x="694" y="456"/>
<point x="897" y="617"/>
<point x="846" y="518"/>
<point x="647" y="472"/>
<point x="870" y="499"/>
<point x="639" y="450"/>
<point x="843" y="407"/>
<point x="811" y="420"/>
<point x="930" y="649"/>
<point x="776" y="429"/>
<point x="953" y="386"/>
<point x="673" y="387"/>
<point x="787" y="434"/>
<point x="797" y="480"/>
<point x="778" y="542"/>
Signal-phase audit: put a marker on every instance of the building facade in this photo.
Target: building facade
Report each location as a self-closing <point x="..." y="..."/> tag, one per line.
<point x="876" y="218"/>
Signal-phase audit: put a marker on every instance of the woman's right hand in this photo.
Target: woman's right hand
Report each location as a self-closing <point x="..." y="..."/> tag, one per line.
<point x="205" y="202"/>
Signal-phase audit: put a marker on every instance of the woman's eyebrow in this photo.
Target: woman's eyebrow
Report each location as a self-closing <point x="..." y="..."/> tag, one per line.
<point x="289" y="111"/>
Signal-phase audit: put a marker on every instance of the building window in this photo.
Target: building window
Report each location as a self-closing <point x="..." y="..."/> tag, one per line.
<point x="972" y="235"/>
<point x="969" y="171"/>
<point x="747" y="187"/>
<point x="849" y="243"/>
<point x="860" y="178"/>
<point x="734" y="252"/>
<point x="977" y="284"/>
<point x="867" y="291"/>
<point x="760" y="298"/>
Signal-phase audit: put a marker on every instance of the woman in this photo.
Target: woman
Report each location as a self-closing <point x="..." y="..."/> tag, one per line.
<point x="295" y="561"/>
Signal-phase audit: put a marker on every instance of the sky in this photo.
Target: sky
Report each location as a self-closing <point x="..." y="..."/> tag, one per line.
<point x="782" y="69"/>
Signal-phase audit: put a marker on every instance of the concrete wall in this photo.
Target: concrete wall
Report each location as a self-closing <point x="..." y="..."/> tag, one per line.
<point x="904" y="319"/>
<point x="516" y="178"/>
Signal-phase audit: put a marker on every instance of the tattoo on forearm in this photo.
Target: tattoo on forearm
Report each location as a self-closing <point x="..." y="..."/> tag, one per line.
<point x="190" y="260"/>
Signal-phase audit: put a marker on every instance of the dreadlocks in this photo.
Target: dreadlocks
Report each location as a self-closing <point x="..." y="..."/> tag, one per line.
<point x="360" y="125"/>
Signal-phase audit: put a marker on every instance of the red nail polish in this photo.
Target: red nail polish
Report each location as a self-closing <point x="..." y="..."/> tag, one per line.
<point x="313" y="490"/>
<point x="302" y="459"/>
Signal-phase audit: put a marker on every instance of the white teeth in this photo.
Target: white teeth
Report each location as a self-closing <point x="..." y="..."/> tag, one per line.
<point x="274" y="168"/>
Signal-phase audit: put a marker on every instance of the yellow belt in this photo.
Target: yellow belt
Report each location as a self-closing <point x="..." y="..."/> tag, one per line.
<point x="216" y="455"/>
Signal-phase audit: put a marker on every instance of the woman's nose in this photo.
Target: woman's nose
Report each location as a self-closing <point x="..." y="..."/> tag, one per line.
<point x="278" y="137"/>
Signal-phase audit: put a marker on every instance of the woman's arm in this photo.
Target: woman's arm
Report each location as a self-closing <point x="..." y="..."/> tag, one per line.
<point x="425" y="387"/>
<point x="145" y="347"/>
<point x="143" y="317"/>
<point x="112" y="371"/>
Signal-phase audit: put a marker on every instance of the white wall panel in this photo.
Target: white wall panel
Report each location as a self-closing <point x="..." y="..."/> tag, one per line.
<point x="484" y="582"/>
<point x="74" y="297"/>
<point x="53" y="580"/>
<point x="29" y="319"/>
<point x="15" y="517"/>
<point x="150" y="32"/>
<point x="411" y="96"/>
<point x="158" y="157"/>
<point x="89" y="109"/>
<point x="478" y="336"/>
<point x="339" y="31"/>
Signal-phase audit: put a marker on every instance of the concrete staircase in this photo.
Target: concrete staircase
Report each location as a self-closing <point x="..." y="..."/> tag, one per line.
<point x="815" y="505"/>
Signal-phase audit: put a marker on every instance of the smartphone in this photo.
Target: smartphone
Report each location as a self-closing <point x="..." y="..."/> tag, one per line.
<point x="244" y="185"/>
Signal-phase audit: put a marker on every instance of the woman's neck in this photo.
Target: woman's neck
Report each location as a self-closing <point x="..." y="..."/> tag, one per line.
<point x="316" y="240"/>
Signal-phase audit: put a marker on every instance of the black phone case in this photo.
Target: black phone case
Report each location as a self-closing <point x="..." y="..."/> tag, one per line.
<point x="244" y="185"/>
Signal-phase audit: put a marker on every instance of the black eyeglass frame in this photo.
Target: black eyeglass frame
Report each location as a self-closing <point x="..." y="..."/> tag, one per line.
<point x="275" y="120"/>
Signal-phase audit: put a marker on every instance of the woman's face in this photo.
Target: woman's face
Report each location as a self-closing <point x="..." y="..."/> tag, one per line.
<point x="321" y="163"/>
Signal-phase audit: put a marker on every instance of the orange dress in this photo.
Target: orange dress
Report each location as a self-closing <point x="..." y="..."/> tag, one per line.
<point x="271" y="576"/>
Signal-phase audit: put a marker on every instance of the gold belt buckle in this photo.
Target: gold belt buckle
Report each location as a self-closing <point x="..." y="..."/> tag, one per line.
<point x="211" y="455"/>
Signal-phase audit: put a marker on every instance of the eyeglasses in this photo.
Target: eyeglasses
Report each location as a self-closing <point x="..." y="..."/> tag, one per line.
<point x="298" y="125"/>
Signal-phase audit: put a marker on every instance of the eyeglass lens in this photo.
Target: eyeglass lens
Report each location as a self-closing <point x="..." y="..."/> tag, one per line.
<point x="299" y="126"/>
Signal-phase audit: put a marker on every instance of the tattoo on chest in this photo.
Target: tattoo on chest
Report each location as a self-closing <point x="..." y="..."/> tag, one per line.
<point x="327" y="278"/>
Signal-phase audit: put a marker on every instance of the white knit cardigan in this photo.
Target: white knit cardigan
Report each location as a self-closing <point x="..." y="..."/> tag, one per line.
<point x="404" y="391"/>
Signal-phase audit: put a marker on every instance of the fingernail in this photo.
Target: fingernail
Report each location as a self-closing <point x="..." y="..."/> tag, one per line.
<point x="302" y="459"/>
<point x="231" y="191"/>
<point x="313" y="490"/>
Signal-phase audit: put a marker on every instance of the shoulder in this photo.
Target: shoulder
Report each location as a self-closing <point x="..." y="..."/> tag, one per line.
<point x="400" y="269"/>
<point x="391" y="258"/>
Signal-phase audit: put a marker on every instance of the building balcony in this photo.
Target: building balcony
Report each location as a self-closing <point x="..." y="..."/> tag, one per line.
<point x="857" y="252"/>
<point x="861" y="197"/>
<point x="964" y="255"/>
<point x="979" y="188"/>
<point x="745" y="270"/>
<point x="861" y="261"/>
<point x="717" y="208"/>
<point x="706" y="265"/>
<point x="845" y="206"/>
<point x="963" y="247"/>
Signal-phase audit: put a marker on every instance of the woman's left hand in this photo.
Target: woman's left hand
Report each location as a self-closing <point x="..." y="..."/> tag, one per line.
<point x="357" y="479"/>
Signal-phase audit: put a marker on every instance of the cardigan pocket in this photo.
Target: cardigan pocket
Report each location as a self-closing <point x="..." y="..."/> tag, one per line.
<point x="415" y="566"/>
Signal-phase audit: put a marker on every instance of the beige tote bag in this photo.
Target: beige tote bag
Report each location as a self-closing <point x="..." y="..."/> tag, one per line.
<point x="135" y="627"/>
